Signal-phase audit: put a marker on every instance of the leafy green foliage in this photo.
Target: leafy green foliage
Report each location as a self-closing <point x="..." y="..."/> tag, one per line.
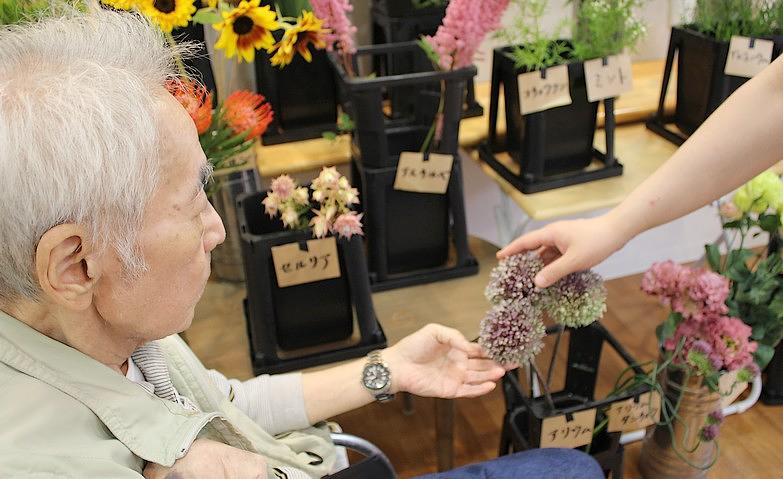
<point x="723" y="19"/>
<point x="293" y="8"/>
<point x="531" y="47"/>
<point x="602" y="28"/>
<point x="756" y="294"/>
<point x="13" y="12"/>
<point x="606" y="27"/>
<point x="428" y="3"/>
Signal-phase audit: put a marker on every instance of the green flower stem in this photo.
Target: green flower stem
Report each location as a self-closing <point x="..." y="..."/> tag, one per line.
<point x="544" y="386"/>
<point x="180" y="65"/>
<point x="438" y="118"/>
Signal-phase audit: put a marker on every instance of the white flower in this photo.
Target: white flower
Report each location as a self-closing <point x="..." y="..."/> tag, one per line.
<point x="290" y="217"/>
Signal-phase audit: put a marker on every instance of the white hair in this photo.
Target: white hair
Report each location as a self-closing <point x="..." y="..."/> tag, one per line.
<point x="79" y="97"/>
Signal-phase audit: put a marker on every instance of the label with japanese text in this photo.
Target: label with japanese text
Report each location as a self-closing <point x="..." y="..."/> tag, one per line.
<point x="635" y="413"/>
<point x="544" y="89"/>
<point x="558" y="431"/>
<point x="730" y="389"/>
<point x="420" y="176"/>
<point x="608" y="77"/>
<point x="747" y="56"/>
<point x="295" y="266"/>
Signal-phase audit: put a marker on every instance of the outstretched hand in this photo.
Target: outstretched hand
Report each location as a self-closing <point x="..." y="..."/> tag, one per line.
<point x="569" y="246"/>
<point x="437" y="361"/>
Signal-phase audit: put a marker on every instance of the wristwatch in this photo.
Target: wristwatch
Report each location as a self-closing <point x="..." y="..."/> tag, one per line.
<point x="376" y="377"/>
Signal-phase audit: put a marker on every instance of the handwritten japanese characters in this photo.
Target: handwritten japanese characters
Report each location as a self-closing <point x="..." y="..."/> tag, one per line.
<point x="431" y="176"/>
<point x="635" y="413"/>
<point x="542" y="90"/>
<point x="294" y="266"/>
<point x="608" y="77"/>
<point x="558" y="431"/>
<point x="747" y="56"/>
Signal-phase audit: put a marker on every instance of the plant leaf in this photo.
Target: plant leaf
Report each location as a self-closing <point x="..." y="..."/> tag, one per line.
<point x="207" y="16"/>
<point x="763" y="355"/>
<point x="713" y="257"/>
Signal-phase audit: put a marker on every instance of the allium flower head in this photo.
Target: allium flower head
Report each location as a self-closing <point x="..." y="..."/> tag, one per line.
<point x="715" y="417"/>
<point x="709" y="433"/>
<point x="576" y="300"/>
<point x="512" y="333"/>
<point x="512" y="279"/>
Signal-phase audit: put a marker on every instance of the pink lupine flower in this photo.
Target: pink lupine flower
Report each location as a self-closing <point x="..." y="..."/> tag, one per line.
<point x="348" y="224"/>
<point x="283" y="186"/>
<point x="464" y="27"/>
<point x="334" y="14"/>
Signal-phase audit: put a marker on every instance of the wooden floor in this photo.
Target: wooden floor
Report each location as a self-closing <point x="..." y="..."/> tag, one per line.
<point x="749" y="442"/>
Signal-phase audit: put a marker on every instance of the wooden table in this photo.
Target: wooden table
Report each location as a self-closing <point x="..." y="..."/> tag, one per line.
<point x="218" y="334"/>
<point x="632" y="107"/>
<point x="639" y="150"/>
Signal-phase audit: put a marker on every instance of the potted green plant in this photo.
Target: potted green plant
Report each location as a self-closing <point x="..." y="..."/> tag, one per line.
<point x="306" y="274"/>
<point x="702" y="49"/>
<point x="552" y="145"/>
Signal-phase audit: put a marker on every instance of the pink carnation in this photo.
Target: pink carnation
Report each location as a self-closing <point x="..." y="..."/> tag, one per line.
<point x="283" y="186"/>
<point x="709" y="290"/>
<point x="464" y="27"/>
<point x="665" y="280"/>
<point x="691" y="292"/>
<point x="730" y="339"/>
<point x="347" y="225"/>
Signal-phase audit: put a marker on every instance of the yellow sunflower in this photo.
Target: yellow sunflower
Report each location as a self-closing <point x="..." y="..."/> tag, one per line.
<point x="121" y="4"/>
<point x="308" y="29"/>
<point x="168" y="14"/>
<point x="246" y="29"/>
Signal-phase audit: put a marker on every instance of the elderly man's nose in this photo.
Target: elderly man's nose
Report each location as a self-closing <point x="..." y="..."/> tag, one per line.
<point x="215" y="232"/>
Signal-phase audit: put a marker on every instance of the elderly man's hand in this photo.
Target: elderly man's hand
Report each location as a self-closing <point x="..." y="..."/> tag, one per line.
<point x="211" y="460"/>
<point x="437" y="361"/>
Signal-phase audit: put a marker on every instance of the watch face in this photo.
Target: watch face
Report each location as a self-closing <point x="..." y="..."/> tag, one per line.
<point x="375" y="377"/>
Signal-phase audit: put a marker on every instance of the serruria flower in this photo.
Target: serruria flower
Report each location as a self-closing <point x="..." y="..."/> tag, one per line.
<point x="196" y="100"/>
<point x="245" y="111"/>
<point x="307" y="31"/>
<point x="122" y="4"/>
<point x="334" y="14"/>
<point x="271" y="204"/>
<point x="347" y="225"/>
<point x="512" y="279"/>
<point x="245" y="29"/>
<point x="328" y="179"/>
<point x="576" y="300"/>
<point x="512" y="333"/>
<point x="289" y="216"/>
<point x="168" y="14"/>
<point x="320" y="225"/>
<point x="283" y="186"/>
<point x="302" y="196"/>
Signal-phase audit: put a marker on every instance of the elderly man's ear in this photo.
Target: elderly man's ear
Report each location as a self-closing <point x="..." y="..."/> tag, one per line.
<point x="66" y="267"/>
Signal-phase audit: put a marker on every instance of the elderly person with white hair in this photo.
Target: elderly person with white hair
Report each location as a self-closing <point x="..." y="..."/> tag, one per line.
<point x="106" y="236"/>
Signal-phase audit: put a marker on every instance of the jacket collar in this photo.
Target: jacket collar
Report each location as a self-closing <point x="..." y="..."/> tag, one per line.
<point x="154" y="429"/>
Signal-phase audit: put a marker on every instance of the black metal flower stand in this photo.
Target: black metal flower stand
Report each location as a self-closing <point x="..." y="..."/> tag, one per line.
<point x="551" y="148"/>
<point x="308" y="324"/>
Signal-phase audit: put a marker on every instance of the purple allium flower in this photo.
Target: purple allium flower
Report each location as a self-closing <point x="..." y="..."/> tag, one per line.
<point x="512" y="333"/>
<point x="577" y="300"/>
<point x="715" y="417"/>
<point x="512" y="279"/>
<point x="709" y="433"/>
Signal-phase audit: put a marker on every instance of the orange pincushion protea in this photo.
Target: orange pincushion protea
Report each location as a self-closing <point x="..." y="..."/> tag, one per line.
<point x="245" y="111"/>
<point x="196" y="100"/>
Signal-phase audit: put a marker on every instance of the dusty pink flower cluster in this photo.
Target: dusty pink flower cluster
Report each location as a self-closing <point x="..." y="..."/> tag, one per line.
<point x="334" y="14"/>
<point x="464" y="27"/>
<point x="331" y="191"/>
<point x="688" y="291"/>
<point x="699" y="296"/>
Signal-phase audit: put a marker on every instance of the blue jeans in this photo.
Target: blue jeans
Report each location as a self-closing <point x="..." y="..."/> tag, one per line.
<point x="533" y="464"/>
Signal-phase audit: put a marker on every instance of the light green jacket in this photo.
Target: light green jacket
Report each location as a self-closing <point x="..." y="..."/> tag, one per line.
<point x="65" y="415"/>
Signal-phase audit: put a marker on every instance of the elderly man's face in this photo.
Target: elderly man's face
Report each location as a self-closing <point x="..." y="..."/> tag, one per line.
<point x="179" y="231"/>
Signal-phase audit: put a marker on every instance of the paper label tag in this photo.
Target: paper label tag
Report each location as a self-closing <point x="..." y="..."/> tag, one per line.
<point x="610" y="80"/>
<point x="745" y="60"/>
<point x="294" y="266"/>
<point x="558" y="431"/>
<point x="539" y="94"/>
<point x="630" y="415"/>
<point x="729" y="388"/>
<point x="415" y="174"/>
